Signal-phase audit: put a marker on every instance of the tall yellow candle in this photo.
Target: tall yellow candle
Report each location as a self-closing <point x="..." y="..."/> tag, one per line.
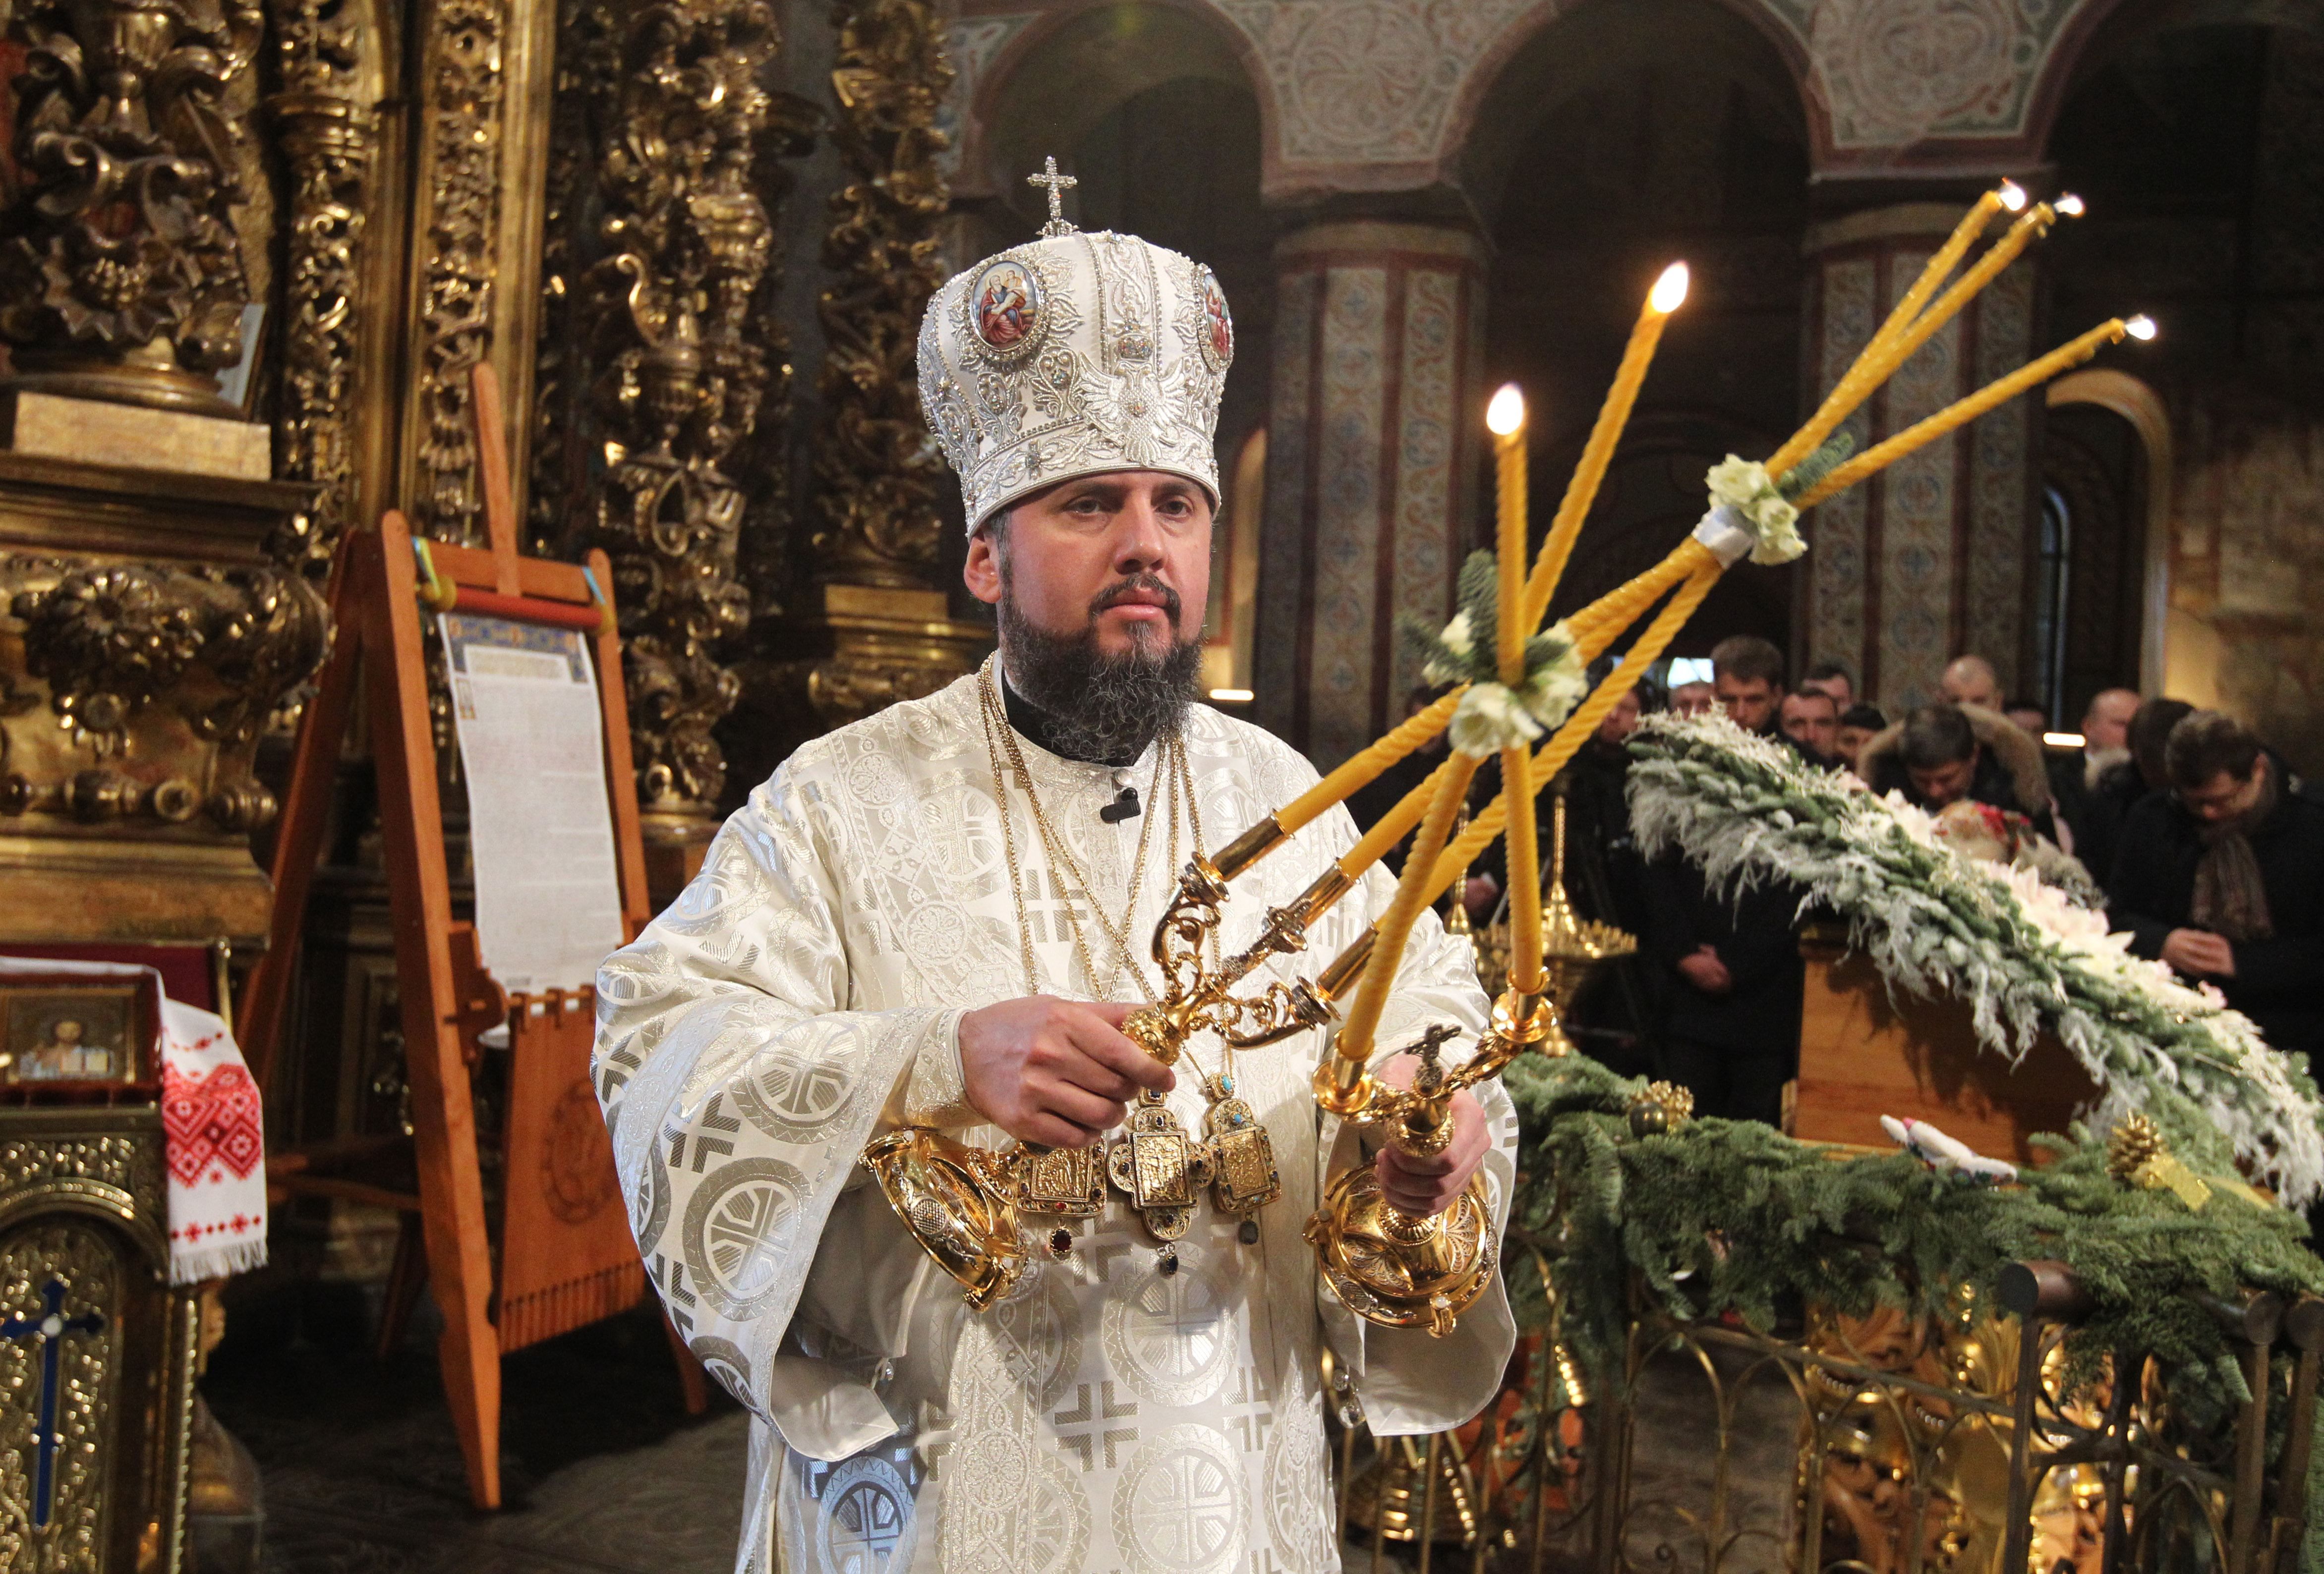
<point x="1505" y="418"/>
<point x="1666" y="296"/>
<point x="1878" y="360"/>
<point x="1393" y="827"/>
<point x="1998" y="393"/>
<point x="1414" y="892"/>
<point x="1525" y="875"/>
<point x="2009" y="195"/>
<point x="1828" y="415"/>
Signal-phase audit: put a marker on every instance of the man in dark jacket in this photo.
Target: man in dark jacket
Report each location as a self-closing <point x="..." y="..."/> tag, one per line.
<point x="2222" y="877"/>
<point x="1943" y="753"/>
<point x="1730" y="1031"/>
<point x="2123" y="783"/>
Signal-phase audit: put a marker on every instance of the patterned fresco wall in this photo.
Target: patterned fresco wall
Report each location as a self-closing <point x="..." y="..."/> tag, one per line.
<point x="1374" y="383"/>
<point x="1380" y="94"/>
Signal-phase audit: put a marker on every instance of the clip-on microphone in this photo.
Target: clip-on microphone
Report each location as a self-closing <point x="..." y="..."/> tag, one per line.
<point x="1123" y="809"/>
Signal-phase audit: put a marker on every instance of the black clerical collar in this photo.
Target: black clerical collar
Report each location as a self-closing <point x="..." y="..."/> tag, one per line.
<point x="1032" y="722"/>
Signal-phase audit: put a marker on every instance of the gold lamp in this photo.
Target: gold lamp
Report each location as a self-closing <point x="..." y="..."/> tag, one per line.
<point x="1573" y="950"/>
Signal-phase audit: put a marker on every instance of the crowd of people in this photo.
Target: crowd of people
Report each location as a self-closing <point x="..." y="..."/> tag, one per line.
<point x="2207" y="847"/>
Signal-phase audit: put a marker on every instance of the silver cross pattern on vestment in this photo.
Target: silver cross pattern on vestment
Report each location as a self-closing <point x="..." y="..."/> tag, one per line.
<point x="1057" y="184"/>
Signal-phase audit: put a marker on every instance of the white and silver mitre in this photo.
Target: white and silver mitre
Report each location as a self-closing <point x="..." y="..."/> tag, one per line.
<point x="1072" y="356"/>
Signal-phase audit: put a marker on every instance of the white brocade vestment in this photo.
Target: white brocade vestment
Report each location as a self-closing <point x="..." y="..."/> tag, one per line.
<point x="805" y="992"/>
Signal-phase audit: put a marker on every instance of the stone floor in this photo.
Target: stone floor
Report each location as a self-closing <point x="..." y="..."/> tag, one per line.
<point x="605" y="1472"/>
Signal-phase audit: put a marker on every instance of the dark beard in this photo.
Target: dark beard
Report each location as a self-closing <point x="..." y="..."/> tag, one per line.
<point x="1093" y="706"/>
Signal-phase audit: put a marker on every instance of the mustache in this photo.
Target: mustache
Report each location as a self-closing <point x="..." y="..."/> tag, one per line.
<point x="1116" y="594"/>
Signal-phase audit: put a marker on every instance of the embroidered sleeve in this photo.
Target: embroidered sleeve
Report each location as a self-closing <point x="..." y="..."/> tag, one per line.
<point x="739" y="1092"/>
<point x="935" y="1093"/>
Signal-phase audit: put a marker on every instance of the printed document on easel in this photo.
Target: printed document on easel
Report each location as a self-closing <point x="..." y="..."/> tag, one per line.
<point x="549" y="900"/>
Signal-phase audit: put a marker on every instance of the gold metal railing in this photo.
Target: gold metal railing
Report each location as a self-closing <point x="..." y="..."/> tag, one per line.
<point x="1887" y="1445"/>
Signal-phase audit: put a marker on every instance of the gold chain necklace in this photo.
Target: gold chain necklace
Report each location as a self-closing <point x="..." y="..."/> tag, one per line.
<point x="1156" y="1162"/>
<point x="998" y="735"/>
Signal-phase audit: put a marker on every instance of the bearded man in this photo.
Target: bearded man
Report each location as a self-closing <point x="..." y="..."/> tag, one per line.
<point x="940" y="916"/>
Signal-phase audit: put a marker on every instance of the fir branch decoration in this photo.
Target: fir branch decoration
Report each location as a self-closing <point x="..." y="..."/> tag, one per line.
<point x="1829" y="455"/>
<point x="1491" y="716"/>
<point x="1795" y="1225"/>
<point x="2022" y="955"/>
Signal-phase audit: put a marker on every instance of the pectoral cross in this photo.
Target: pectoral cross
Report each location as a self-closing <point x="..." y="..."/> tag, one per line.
<point x="50" y="1327"/>
<point x="1058" y="185"/>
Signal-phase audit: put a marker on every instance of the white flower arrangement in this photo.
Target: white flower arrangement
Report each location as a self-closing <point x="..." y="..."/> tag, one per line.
<point x="1744" y="487"/>
<point x="2022" y="954"/>
<point x="1493" y="715"/>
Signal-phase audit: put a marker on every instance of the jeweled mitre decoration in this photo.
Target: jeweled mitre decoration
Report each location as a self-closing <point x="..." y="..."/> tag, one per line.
<point x="1073" y="355"/>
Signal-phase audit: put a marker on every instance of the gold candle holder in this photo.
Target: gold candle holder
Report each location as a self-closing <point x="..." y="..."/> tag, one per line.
<point x="1574" y="950"/>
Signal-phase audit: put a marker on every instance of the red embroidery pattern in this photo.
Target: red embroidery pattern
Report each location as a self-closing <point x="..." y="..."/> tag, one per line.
<point x="211" y="1120"/>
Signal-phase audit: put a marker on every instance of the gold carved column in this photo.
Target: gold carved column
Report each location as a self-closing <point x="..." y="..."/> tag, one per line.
<point x="664" y="373"/>
<point x="875" y="627"/>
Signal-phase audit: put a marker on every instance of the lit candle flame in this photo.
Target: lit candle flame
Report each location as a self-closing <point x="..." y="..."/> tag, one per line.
<point x="2070" y="205"/>
<point x="2141" y="327"/>
<point x="2012" y="195"/>
<point x="1669" y="292"/>
<point x="1506" y="414"/>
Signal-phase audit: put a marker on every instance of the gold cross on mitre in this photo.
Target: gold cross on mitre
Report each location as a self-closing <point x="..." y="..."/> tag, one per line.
<point x="1058" y="185"/>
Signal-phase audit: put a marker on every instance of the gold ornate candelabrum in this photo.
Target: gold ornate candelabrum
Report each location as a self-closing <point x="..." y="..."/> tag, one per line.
<point x="1573" y="950"/>
<point x="967" y="1206"/>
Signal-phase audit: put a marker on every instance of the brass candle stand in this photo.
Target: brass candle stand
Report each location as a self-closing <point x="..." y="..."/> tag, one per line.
<point x="1573" y="950"/>
<point x="1388" y="1267"/>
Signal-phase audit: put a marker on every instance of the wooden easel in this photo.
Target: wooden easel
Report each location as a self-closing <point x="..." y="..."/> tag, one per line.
<point x="565" y="1254"/>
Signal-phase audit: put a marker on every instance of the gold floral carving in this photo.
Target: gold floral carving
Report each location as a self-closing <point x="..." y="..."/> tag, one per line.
<point x="876" y="470"/>
<point x="121" y="275"/>
<point x="462" y="125"/>
<point x="326" y="134"/>
<point x="228" y="646"/>
<point x="667" y="97"/>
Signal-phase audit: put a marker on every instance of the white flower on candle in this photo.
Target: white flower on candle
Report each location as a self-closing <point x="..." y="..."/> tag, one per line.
<point x="1736" y="482"/>
<point x="1778" y="529"/>
<point x="1489" y="718"/>
<point x="1452" y="652"/>
<point x="1744" y="486"/>
<point x="1557" y="681"/>
<point x="1459" y="637"/>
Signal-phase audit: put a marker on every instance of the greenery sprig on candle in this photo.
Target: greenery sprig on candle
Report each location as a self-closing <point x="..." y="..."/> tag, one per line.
<point x="1493" y="715"/>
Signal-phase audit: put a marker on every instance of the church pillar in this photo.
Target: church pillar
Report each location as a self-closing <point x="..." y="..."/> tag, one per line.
<point x="1928" y="560"/>
<point x="1372" y="450"/>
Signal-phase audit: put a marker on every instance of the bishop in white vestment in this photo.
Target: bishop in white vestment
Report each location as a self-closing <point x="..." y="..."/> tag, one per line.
<point x="833" y="972"/>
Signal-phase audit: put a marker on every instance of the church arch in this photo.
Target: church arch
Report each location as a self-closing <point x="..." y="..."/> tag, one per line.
<point x="2100" y="29"/>
<point x="1076" y="64"/>
<point x="1499" y="94"/>
<point x="1618" y="138"/>
<point x="2187" y="126"/>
